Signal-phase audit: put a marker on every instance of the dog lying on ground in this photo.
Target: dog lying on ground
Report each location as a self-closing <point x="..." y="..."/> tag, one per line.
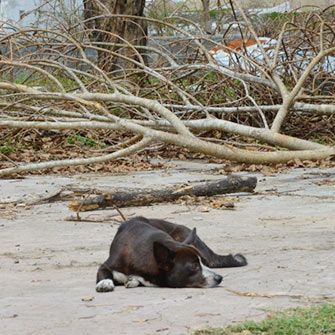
<point x="152" y="252"/>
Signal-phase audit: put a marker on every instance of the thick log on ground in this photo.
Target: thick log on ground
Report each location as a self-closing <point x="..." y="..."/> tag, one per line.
<point x="144" y="197"/>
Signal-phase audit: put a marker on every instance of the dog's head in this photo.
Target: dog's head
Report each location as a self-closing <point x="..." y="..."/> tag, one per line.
<point x="180" y="265"/>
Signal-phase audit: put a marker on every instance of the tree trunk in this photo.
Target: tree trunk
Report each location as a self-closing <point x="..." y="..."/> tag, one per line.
<point x="206" y="17"/>
<point x="114" y="30"/>
<point x="144" y="197"/>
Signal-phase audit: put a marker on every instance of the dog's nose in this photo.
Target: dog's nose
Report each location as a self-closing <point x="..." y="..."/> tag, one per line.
<point x="218" y="278"/>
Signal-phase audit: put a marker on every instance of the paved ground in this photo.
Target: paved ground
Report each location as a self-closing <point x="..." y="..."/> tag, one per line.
<point x="48" y="265"/>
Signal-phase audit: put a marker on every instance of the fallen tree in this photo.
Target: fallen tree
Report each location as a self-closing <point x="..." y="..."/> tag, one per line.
<point x="170" y="101"/>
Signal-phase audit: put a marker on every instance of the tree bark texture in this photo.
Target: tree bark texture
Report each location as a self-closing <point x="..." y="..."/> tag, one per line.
<point x="207" y="26"/>
<point x="113" y="30"/>
<point x="144" y="197"/>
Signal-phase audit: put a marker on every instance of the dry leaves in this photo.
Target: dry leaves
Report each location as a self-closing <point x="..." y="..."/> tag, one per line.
<point x="37" y="146"/>
<point x="265" y="295"/>
<point x="270" y="170"/>
<point x="215" y="202"/>
<point x="328" y="182"/>
<point x="8" y="211"/>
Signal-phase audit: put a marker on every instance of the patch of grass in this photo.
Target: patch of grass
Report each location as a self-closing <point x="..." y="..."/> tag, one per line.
<point x="230" y="92"/>
<point x="32" y="80"/>
<point x="77" y="138"/>
<point x="318" y="138"/>
<point x="6" y="149"/>
<point x="280" y="16"/>
<point x="213" y="13"/>
<point x="211" y="76"/>
<point x="300" y="321"/>
<point x="275" y="15"/>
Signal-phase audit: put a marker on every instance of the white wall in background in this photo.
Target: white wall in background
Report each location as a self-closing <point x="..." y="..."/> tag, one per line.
<point x="12" y="10"/>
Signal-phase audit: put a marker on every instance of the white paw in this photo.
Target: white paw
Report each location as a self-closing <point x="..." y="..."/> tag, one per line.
<point x="105" y="285"/>
<point x="132" y="282"/>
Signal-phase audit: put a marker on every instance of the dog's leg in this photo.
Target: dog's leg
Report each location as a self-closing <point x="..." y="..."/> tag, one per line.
<point x="105" y="285"/>
<point x="104" y="279"/>
<point x="208" y="256"/>
<point x="213" y="260"/>
<point x="107" y="278"/>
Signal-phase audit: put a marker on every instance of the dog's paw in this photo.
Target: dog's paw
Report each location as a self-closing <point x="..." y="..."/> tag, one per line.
<point x="132" y="282"/>
<point x="105" y="285"/>
<point x="240" y="260"/>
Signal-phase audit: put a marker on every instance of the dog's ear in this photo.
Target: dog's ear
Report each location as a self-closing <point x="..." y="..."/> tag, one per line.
<point x="191" y="237"/>
<point x="164" y="256"/>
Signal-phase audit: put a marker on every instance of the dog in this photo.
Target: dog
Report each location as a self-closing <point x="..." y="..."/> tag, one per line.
<point x="152" y="252"/>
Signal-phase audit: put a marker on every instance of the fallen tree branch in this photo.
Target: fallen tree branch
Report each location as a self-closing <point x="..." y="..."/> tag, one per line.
<point x="288" y="95"/>
<point x="288" y="98"/>
<point x="164" y="101"/>
<point x="263" y="134"/>
<point x="144" y="197"/>
<point x="184" y="138"/>
<point x="298" y="106"/>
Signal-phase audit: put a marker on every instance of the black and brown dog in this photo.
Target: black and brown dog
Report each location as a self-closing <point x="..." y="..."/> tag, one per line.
<point x="153" y="252"/>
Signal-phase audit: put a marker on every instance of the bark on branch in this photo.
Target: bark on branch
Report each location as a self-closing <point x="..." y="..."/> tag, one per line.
<point x="144" y="197"/>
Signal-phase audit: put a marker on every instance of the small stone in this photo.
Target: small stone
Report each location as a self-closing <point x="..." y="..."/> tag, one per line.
<point x="87" y="298"/>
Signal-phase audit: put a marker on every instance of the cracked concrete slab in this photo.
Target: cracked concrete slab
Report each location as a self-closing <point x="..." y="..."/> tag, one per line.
<point x="48" y="265"/>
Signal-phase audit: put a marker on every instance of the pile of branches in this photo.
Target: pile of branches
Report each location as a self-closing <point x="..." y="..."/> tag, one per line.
<point x="51" y="79"/>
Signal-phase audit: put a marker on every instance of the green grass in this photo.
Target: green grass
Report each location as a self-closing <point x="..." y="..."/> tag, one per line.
<point x="6" y="149"/>
<point x="301" y="321"/>
<point x="68" y="84"/>
<point x="76" y="138"/>
<point x="318" y="138"/>
<point x="280" y="16"/>
<point x="215" y="12"/>
<point x="230" y="92"/>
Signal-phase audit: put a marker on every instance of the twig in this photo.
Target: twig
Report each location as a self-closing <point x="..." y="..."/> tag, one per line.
<point x="121" y="214"/>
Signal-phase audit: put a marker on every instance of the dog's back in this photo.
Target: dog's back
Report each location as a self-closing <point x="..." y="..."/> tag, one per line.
<point x="132" y="248"/>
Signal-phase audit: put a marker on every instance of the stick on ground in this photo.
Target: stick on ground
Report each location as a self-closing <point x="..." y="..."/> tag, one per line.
<point x="144" y="197"/>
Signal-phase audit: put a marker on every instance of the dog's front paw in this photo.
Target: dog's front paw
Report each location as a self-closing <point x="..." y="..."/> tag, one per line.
<point x="240" y="260"/>
<point x="105" y="285"/>
<point x="132" y="282"/>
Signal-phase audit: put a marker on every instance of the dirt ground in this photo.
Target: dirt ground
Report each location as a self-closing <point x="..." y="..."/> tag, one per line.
<point x="48" y="265"/>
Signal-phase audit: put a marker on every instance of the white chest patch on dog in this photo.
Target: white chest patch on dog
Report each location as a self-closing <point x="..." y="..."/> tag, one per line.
<point x="120" y="277"/>
<point x="105" y="285"/>
<point x="134" y="281"/>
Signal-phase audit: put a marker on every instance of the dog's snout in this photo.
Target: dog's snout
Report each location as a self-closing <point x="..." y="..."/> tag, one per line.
<point x="218" y="278"/>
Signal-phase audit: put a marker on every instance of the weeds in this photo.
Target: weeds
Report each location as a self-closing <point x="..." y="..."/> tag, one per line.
<point x="315" y="320"/>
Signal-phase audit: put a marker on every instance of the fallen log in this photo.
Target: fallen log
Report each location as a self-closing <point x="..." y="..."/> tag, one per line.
<point x="144" y="197"/>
